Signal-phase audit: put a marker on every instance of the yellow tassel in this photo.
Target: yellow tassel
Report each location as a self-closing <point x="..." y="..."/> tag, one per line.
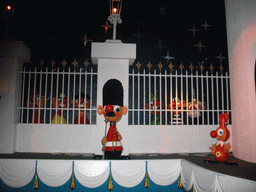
<point x="110" y="184"/>
<point x="36" y="183"/>
<point x="72" y="184"/>
<point x="194" y="189"/>
<point x="146" y="182"/>
<point x="179" y="184"/>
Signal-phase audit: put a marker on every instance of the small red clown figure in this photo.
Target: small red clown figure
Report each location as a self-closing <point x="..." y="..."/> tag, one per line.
<point x="81" y="103"/>
<point x="195" y="108"/>
<point x="177" y="106"/>
<point x="36" y="101"/>
<point x="221" y="149"/>
<point x="112" y="109"/>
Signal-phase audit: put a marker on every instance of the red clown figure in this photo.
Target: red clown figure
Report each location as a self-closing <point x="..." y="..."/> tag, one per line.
<point x="221" y="149"/>
<point x="36" y="101"/>
<point x="81" y="103"/>
<point x="112" y="109"/>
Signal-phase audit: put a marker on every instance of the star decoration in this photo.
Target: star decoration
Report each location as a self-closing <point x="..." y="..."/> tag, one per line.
<point x="138" y="66"/>
<point x="220" y="57"/>
<point x="160" y="46"/>
<point x="211" y="68"/>
<point x="167" y="57"/>
<point x="171" y="66"/>
<point x="64" y="63"/>
<point x="160" y="66"/>
<point x="199" y="46"/>
<point x="191" y="67"/>
<point x="205" y="25"/>
<point x="194" y="30"/>
<point x="138" y="36"/>
<point x="181" y="67"/>
<point x="149" y="66"/>
<point x="75" y="62"/>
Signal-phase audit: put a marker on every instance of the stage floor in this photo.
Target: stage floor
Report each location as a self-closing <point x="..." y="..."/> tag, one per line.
<point x="244" y="169"/>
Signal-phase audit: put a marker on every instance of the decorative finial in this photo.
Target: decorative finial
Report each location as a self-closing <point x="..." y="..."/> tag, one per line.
<point x="221" y="68"/>
<point x="149" y="65"/>
<point x="202" y="68"/>
<point x="75" y="62"/>
<point x="181" y="67"/>
<point x="160" y="65"/>
<point x="41" y="63"/>
<point x="138" y="66"/>
<point x="211" y="68"/>
<point x="171" y="66"/>
<point x="191" y="67"/>
<point x="64" y="63"/>
<point x="86" y="63"/>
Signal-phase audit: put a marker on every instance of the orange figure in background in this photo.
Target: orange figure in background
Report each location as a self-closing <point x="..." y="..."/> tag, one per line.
<point x="195" y="108"/>
<point x="177" y="105"/>
<point x="81" y="103"/>
<point x="36" y="101"/>
<point x="221" y="149"/>
<point x="61" y="104"/>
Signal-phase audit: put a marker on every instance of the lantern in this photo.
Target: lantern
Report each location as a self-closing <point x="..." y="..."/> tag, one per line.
<point x="115" y="11"/>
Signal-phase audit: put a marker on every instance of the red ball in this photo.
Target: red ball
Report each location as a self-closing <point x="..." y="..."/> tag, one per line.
<point x="213" y="134"/>
<point x="109" y="108"/>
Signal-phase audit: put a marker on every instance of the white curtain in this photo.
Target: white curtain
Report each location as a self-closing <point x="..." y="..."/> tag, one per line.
<point x="127" y="173"/>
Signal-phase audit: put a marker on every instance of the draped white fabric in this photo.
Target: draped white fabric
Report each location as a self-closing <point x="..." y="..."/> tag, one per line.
<point x="54" y="173"/>
<point x="91" y="174"/>
<point x="204" y="180"/>
<point x="127" y="173"/>
<point x="17" y="173"/>
<point x="164" y="172"/>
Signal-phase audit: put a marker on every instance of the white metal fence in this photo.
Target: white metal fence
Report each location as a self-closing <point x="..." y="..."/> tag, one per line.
<point x="192" y="98"/>
<point x="59" y="94"/>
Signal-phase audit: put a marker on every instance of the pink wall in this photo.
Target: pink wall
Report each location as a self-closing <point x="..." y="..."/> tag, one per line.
<point x="243" y="100"/>
<point x="241" y="35"/>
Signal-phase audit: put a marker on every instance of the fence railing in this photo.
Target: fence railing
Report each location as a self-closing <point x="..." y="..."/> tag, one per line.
<point x="59" y="94"/>
<point x="177" y="99"/>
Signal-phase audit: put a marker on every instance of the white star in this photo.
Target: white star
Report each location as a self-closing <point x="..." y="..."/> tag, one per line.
<point x="199" y="46"/>
<point x="220" y="57"/>
<point x="194" y="30"/>
<point x="160" y="46"/>
<point x="205" y="25"/>
<point x="138" y="35"/>
<point x="167" y="57"/>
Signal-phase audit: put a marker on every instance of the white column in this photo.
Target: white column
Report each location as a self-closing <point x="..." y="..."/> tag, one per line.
<point x="12" y="56"/>
<point x="113" y="59"/>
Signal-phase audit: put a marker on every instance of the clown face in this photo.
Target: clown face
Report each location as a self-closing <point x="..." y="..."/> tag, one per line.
<point x="112" y="113"/>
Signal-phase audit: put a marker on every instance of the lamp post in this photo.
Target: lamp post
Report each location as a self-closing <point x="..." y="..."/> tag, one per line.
<point x="115" y="11"/>
<point x="7" y="16"/>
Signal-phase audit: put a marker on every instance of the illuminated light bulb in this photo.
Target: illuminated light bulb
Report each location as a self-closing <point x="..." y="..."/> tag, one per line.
<point x="9" y="7"/>
<point x="114" y="10"/>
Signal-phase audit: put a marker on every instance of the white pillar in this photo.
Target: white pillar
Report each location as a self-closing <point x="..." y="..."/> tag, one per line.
<point x="12" y="55"/>
<point x="113" y="59"/>
<point x="241" y="33"/>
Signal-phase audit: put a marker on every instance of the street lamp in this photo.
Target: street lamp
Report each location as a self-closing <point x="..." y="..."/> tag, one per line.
<point x="7" y="16"/>
<point x="115" y="11"/>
